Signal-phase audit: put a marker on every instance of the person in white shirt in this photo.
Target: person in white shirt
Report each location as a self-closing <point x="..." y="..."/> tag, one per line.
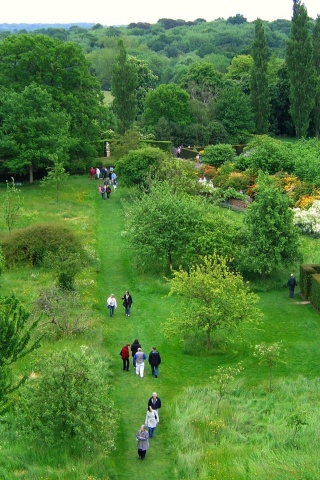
<point x="111" y="304"/>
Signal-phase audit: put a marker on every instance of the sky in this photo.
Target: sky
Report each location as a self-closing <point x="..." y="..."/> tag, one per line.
<point x="123" y="12"/>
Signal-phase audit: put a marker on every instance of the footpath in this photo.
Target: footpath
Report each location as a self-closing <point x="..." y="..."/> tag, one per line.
<point x="131" y="393"/>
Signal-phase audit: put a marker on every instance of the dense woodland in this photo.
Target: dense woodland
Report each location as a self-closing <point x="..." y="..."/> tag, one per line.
<point x="192" y="83"/>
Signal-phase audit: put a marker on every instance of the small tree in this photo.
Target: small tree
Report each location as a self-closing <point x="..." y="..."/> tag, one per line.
<point x="56" y="176"/>
<point x="223" y="378"/>
<point x="63" y="310"/>
<point x="297" y="420"/>
<point x="11" y="205"/>
<point x="69" y="399"/>
<point x="216" y="299"/>
<point x="269" y="355"/>
<point x="15" y="343"/>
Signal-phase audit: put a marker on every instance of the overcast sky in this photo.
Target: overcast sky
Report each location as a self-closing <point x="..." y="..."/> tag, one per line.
<point x="123" y="12"/>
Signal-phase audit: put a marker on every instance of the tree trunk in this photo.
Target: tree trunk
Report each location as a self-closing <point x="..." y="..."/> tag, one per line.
<point x="31" y="174"/>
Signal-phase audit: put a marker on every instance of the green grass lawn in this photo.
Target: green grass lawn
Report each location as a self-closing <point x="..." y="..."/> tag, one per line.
<point x="184" y="446"/>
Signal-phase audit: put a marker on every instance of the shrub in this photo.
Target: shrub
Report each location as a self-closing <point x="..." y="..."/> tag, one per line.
<point x="308" y="220"/>
<point x="134" y="167"/>
<point x="31" y="245"/>
<point x="216" y="155"/>
<point x="68" y="399"/>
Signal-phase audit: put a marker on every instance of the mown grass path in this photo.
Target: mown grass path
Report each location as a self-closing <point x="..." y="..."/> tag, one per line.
<point x="150" y="307"/>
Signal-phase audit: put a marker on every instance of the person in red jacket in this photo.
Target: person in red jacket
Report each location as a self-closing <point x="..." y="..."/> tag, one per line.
<point x="125" y="354"/>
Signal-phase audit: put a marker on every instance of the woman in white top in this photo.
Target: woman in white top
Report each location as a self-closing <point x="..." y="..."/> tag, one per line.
<point x="151" y="421"/>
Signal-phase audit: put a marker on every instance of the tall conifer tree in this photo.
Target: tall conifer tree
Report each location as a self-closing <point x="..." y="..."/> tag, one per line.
<point x="124" y="81"/>
<point x="316" y="61"/>
<point x="259" y="80"/>
<point x="301" y="71"/>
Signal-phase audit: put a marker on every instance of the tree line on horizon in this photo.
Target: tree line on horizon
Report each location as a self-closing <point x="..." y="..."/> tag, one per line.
<point x="55" y="87"/>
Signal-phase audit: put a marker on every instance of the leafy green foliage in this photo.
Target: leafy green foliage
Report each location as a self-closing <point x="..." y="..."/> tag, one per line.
<point x="15" y="342"/>
<point x="12" y="205"/>
<point x="180" y="175"/>
<point x="216" y="155"/>
<point x="202" y="81"/>
<point x="32" y="130"/>
<point x="259" y="80"/>
<point x="270" y="355"/>
<point x="233" y="110"/>
<point x="306" y="160"/>
<point x="223" y="378"/>
<point x="266" y="154"/>
<point x="69" y="399"/>
<point x="56" y="176"/>
<point x="271" y="239"/>
<point x="124" y="81"/>
<point x="301" y="71"/>
<point x="170" y="102"/>
<point x="216" y="298"/>
<point x="160" y="224"/>
<point x="32" y="244"/>
<point x="122" y="144"/>
<point x="134" y="167"/>
<point x="61" y="69"/>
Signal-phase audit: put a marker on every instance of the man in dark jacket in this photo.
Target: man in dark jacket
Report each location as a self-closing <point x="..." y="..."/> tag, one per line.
<point x="154" y="360"/>
<point x="292" y="282"/>
<point x="155" y="403"/>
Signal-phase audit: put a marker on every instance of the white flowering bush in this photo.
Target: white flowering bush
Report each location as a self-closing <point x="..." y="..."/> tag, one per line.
<point x="308" y="220"/>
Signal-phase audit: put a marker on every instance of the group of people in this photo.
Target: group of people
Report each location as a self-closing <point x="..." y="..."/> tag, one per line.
<point x="139" y="357"/>
<point x="151" y="421"/>
<point x="146" y="431"/>
<point x="126" y="302"/>
<point x="105" y="189"/>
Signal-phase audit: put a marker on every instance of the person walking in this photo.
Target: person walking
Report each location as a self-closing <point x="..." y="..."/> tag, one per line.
<point x="154" y="360"/>
<point x="127" y="302"/>
<point x="292" y="283"/>
<point x="102" y="190"/>
<point x="139" y="359"/>
<point x="134" y="349"/>
<point x="97" y="173"/>
<point x="155" y="403"/>
<point x="143" y="442"/>
<point x="92" y="173"/>
<point x="111" y="304"/>
<point x="125" y="355"/>
<point x="108" y="190"/>
<point x="151" y="420"/>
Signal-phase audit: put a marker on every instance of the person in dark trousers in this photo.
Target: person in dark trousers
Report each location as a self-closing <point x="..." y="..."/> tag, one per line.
<point x="108" y="190"/>
<point x="127" y="302"/>
<point x="155" y="403"/>
<point x="125" y="355"/>
<point x="154" y="360"/>
<point x="292" y="283"/>
<point x="134" y="349"/>
<point x="143" y="442"/>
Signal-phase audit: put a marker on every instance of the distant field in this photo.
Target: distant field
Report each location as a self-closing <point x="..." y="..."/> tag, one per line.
<point x="107" y="97"/>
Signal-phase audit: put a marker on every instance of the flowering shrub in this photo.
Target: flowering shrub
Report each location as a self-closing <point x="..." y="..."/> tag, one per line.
<point x="308" y="220"/>
<point x="209" y="171"/>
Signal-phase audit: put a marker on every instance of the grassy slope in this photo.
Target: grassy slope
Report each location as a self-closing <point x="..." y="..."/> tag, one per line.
<point x="297" y="325"/>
